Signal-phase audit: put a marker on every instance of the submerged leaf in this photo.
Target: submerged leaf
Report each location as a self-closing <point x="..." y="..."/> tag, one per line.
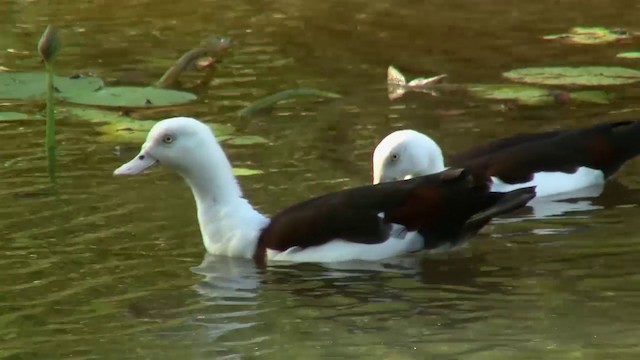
<point x="590" y="35"/>
<point x="268" y="102"/>
<point x="582" y="75"/>
<point x="629" y="55"/>
<point x="246" y="172"/>
<point x="131" y="96"/>
<point x="28" y="85"/>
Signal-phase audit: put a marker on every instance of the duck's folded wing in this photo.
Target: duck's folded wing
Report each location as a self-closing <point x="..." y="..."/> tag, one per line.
<point x="603" y="147"/>
<point x="436" y="205"/>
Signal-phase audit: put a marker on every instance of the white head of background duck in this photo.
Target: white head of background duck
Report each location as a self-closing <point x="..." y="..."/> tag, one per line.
<point x="555" y="162"/>
<point x="364" y="223"/>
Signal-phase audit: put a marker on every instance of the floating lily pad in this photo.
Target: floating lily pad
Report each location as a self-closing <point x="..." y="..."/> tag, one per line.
<point x="28" y="85"/>
<point x="593" y="96"/>
<point x="590" y="35"/>
<point x="523" y="94"/>
<point x="246" y="172"/>
<point x="583" y="75"/>
<point x="629" y="55"/>
<point x="533" y="95"/>
<point x="247" y="140"/>
<point x="131" y="97"/>
<point x="13" y="116"/>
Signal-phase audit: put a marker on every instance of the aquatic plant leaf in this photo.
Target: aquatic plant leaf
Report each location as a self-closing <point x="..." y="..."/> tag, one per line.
<point x="592" y="96"/>
<point x="131" y="97"/>
<point x="523" y="94"/>
<point x="590" y="35"/>
<point x="33" y="85"/>
<point x="582" y="75"/>
<point x="13" y="116"/>
<point x="246" y="140"/>
<point x="268" y="102"/>
<point x="246" y="172"/>
<point x="629" y="55"/>
<point x="533" y="95"/>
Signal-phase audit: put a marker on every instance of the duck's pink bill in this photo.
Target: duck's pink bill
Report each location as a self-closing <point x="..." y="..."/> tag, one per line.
<point x="137" y="165"/>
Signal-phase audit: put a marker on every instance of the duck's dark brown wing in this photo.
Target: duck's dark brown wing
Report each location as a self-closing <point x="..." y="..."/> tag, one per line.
<point x="602" y="147"/>
<point x="449" y="206"/>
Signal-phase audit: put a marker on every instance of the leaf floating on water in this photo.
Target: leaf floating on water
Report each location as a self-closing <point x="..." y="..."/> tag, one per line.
<point x="523" y="94"/>
<point x="590" y="35"/>
<point x="582" y="75"/>
<point x="131" y="97"/>
<point x="533" y="95"/>
<point x="593" y="96"/>
<point x="268" y="102"/>
<point x="14" y="116"/>
<point x="246" y="172"/>
<point x="33" y="85"/>
<point x="247" y="140"/>
<point x="629" y="55"/>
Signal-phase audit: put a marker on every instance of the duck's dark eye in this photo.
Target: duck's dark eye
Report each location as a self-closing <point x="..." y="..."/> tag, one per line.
<point x="168" y="139"/>
<point x="394" y="157"/>
<point x="141" y="157"/>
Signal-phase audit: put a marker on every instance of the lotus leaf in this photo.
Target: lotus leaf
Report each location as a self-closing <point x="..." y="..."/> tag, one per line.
<point x="582" y="75"/>
<point x="12" y="116"/>
<point x="33" y="85"/>
<point x="131" y="97"/>
<point x="629" y="55"/>
<point x="532" y="95"/>
<point x="590" y="35"/>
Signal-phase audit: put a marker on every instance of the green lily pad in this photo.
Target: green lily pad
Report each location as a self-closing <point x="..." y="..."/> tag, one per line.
<point x="590" y="35"/>
<point x="582" y="75"/>
<point x="97" y="115"/>
<point x="246" y="172"/>
<point x="592" y="96"/>
<point x="135" y="131"/>
<point x="629" y="55"/>
<point x="13" y="116"/>
<point x="28" y="85"/>
<point x="131" y="97"/>
<point x="533" y="95"/>
<point x="246" y="140"/>
<point x="523" y="94"/>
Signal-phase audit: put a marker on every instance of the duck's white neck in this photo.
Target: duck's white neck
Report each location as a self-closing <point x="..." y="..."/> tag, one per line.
<point x="229" y="224"/>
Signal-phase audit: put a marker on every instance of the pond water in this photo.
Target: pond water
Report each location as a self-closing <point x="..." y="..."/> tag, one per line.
<point x="115" y="268"/>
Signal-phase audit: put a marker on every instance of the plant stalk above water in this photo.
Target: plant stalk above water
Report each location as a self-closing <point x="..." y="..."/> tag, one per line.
<point x="48" y="47"/>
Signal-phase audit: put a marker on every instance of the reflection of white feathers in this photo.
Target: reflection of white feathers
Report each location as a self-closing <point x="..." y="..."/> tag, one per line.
<point x="397" y="84"/>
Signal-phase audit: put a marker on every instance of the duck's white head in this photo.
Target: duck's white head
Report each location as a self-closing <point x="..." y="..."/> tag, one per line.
<point x="188" y="147"/>
<point x="404" y="154"/>
<point x="175" y="143"/>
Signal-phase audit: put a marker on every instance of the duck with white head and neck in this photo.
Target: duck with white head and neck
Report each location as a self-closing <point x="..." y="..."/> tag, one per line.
<point x="555" y="162"/>
<point x="372" y="222"/>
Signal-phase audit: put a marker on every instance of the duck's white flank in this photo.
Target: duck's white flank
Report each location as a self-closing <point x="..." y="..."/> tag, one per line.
<point x="229" y="225"/>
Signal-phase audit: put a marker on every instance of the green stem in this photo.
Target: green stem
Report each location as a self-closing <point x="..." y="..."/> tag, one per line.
<point x="50" y="140"/>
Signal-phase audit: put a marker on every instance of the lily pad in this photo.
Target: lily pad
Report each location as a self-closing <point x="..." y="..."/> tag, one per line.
<point x="247" y="140"/>
<point x="590" y="35"/>
<point x="582" y="75"/>
<point x="33" y="85"/>
<point x="246" y="172"/>
<point x="592" y="96"/>
<point x="13" y="116"/>
<point x="629" y="55"/>
<point x="131" y="97"/>
<point x="533" y="95"/>
<point x="523" y="94"/>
